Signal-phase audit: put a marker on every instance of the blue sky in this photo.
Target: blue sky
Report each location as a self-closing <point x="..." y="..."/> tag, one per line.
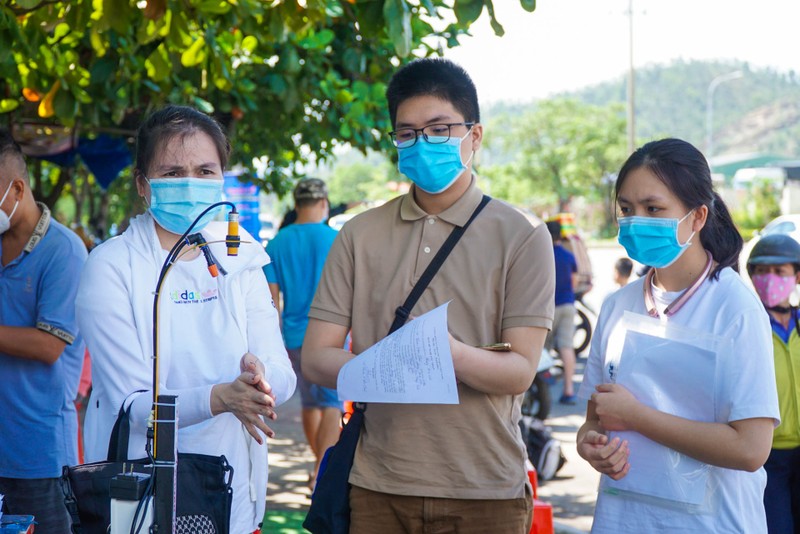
<point x="569" y="44"/>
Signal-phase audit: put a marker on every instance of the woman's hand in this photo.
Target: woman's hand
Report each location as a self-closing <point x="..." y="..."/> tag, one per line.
<point x="615" y="406"/>
<point x="609" y="458"/>
<point x="250" y="363"/>
<point x="245" y="399"/>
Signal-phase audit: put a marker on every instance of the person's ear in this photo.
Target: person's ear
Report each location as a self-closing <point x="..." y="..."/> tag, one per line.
<point x="141" y="184"/>
<point x="476" y="136"/>
<point x="699" y="218"/>
<point x="16" y="189"/>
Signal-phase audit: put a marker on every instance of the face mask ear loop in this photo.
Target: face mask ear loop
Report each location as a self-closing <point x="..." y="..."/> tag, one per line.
<point x="16" y="205"/>
<point x="7" y="191"/>
<point x="473" y="151"/>
<point x="688" y="241"/>
<point x="146" y="201"/>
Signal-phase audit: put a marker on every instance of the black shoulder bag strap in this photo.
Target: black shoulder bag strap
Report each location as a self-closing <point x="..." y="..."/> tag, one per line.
<point x="402" y="312"/>
<point x="120" y="434"/>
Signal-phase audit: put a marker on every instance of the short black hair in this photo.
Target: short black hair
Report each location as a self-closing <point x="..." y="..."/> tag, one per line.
<point x="436" y="77"/>
<point x="624" y="267"/>
<point x="9" y="148"/>
<point x="554" y="227"/>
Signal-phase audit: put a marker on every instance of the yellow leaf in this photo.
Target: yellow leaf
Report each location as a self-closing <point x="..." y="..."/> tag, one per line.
<point x="46" y="105"/>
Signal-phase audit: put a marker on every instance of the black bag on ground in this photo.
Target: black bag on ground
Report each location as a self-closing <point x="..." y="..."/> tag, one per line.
<point x="204" y="493"/>
<point x="544" y="451"/>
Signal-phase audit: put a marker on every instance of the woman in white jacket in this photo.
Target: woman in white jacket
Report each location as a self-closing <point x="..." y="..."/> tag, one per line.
<point x="220" y="346"/>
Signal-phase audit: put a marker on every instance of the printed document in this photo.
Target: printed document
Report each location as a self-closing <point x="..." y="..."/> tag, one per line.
<point x="413" y="365"/>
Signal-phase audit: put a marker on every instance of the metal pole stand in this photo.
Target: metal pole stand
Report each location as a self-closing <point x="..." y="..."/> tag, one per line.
<point x="166" y="463"/>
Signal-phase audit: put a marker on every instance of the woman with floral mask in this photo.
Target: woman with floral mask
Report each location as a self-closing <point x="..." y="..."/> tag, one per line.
<point x="220" y="345"/>
<point x="774" y="268"/>
<point x="679" y="382"/>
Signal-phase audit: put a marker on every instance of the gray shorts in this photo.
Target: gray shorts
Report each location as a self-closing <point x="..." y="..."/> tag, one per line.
<point x="313" y="395"/>
<point x="563" y="332"/>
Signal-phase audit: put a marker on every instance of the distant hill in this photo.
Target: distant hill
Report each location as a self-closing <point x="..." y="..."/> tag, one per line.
<point x="759" y="112"/>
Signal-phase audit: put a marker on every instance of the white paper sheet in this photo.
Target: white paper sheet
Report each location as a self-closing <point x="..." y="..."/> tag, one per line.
<point x="675" y="376"/>
<point x="413" y="366"/>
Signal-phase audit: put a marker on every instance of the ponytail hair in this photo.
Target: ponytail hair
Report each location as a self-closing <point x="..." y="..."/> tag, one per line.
<point x="685" y="172"/>
<point x="720" y="236"/>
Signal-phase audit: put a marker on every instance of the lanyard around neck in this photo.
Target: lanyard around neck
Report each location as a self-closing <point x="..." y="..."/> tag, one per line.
<point x="682" y="299"/>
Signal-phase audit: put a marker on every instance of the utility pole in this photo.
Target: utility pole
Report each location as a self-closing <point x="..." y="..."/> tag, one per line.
<point x="631" y="92"/>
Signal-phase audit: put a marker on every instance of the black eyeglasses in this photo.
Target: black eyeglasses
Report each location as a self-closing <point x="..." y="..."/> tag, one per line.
<point x="434" y="134"/>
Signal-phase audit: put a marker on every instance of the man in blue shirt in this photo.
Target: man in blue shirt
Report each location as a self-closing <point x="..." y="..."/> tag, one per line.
<point x="41" y="353"/>
<point x="298" y="253"/>
<point x="561" y="337"/>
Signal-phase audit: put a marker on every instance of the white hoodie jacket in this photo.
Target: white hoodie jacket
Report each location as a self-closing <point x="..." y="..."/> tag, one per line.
<point x="114" y="309"/>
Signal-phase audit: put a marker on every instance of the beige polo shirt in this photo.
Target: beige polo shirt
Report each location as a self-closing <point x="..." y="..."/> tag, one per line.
<point x="500" y="275"/>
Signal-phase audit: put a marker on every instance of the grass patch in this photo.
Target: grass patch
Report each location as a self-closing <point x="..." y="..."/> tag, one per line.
<point x="284" y="522"/>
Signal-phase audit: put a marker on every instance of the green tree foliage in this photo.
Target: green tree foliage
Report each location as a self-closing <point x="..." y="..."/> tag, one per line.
<point x="289" y="78"/>
<point x="357" y="178"/>
<point x="557" y="150"/>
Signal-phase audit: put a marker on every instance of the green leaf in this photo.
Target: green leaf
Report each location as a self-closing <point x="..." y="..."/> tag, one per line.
<point x="29" y="4"/>
<point x="528" y="5"/>
<point x="215" y="7"/>
<point x="66" y="107"/>
<point x="249" y="44"/>
<point x="118" y="15"/>
<point x="203" y="105"/>
<point x="102" y="69"/>
<point x="317" y="41"/>
<point x="398" y="18"/>
<point x="498" y="29"/>
<point x="467" y="11"/>
<point x="157" y="64"/>
<point x="99" y="44"/>
<point x="8" y="104"/>
<point x="195" y="54"/>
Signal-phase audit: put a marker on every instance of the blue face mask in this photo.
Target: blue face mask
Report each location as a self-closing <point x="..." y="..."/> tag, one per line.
<point x="433" y="167"/>
<point x="176" y="202"/>
<point x="652" y="241"/>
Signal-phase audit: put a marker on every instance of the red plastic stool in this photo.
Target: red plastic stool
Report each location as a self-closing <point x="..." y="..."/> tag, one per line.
<point x="542" y="511"/>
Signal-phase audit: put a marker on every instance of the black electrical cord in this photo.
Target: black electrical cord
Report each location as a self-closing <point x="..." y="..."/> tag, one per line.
<point x="171" y="258"/>
<point x="142" y="507"/>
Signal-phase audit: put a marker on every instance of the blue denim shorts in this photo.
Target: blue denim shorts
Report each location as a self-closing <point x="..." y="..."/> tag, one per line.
<point x="313" y="395"/>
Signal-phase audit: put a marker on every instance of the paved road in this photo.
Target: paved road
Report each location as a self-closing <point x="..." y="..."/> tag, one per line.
<point x="572" y="493"/>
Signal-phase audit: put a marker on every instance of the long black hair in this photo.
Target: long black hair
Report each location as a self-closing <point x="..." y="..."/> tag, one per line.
<point x="685" y="172"/>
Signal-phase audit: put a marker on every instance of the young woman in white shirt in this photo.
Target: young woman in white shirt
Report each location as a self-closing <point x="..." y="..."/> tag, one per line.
<point x="679" y="381"/>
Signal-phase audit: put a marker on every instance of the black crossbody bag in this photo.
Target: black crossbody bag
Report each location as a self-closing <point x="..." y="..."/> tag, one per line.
<point x="330" y="503"/>
<point x="204" y="493"/>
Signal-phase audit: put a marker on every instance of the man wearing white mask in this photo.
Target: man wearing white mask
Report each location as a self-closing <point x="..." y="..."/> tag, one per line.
<point x="41" y="353"/>
<point x="452" y="468"/>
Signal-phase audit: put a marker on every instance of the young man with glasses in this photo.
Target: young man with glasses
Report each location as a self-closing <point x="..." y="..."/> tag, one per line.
<point x="458" y="467"/>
